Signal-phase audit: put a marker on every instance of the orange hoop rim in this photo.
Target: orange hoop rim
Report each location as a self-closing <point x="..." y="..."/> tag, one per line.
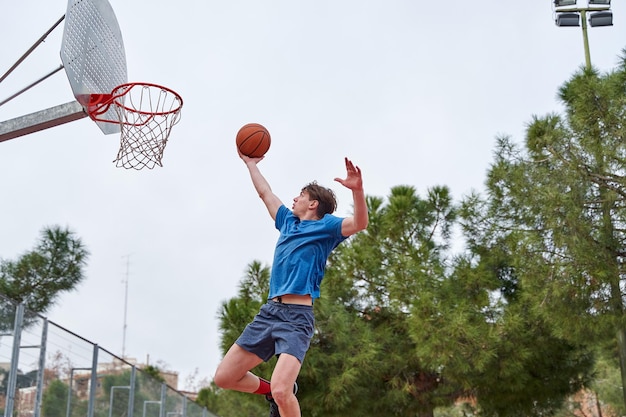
<point x="100" y="104"/>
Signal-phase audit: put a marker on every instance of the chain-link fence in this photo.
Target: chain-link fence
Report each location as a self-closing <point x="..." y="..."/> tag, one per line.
<point x="48" y="371"/>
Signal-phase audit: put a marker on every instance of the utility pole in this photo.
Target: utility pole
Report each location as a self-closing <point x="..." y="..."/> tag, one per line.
<point x="125" y="282"/>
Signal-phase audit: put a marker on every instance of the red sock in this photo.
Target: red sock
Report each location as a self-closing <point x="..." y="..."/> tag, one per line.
<point x="264" y="387"/>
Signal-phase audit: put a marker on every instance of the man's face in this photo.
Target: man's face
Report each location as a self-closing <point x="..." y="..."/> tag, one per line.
<point x="301" y="204"/>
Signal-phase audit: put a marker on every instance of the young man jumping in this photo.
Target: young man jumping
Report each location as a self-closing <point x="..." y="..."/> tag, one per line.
<point x="284" y="325"/>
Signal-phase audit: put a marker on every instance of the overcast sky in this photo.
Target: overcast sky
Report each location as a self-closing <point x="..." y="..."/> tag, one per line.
<point x="414" y="92"/>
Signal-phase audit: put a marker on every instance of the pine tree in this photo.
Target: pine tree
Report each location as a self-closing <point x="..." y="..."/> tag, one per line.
<point x="557" y="209"/>
<point x="40" y="275"/>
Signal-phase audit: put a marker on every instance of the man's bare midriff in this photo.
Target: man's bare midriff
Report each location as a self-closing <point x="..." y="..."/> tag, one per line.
<point x="304" y="300"/>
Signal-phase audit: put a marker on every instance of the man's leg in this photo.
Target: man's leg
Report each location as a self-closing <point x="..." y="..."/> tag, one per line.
<point x="283" y="380"/>
<point x="233" y="372"/>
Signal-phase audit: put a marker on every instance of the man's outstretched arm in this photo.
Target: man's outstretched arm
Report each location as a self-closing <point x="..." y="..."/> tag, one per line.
<point x="262" y="187"/>
<point x="360" y="219"/>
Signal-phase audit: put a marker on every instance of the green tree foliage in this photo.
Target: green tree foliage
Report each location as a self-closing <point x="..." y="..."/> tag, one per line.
<point x="152" y="373"/>
<point x="486" y="339"/>
<point x="553" y="225"/>
<point x="54" y="399"/>
<point x="607" y="382"/>
<point x="208" y="397"/>
<point x="40" y="275"/>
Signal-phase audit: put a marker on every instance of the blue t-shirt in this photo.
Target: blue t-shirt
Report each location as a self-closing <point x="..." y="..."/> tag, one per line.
<point x="301" y="253"/>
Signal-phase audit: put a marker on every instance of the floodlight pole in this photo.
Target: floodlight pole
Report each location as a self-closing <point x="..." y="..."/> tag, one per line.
<point x="583" y="16"/>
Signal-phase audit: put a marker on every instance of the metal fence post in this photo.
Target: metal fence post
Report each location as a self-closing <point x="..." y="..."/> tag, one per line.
<point x="15" y="358"/>
<point x="94" y="382"/>
<point x="131" y="394"/>
<point x="163" y="398"/>
<point x="41" y="367"/>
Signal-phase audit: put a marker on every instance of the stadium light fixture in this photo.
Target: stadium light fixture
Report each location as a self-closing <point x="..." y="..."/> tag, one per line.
<point x="605" y="2"/>
<point x="563" y="3"/>
<point x="601" y="19"/>
<point x="567" y="19"/>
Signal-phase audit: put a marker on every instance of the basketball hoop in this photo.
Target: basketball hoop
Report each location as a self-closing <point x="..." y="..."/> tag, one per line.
<point x="146" y="113"/>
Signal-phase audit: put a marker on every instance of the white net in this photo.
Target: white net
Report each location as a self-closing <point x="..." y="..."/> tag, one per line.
<point x="146" y="115"/>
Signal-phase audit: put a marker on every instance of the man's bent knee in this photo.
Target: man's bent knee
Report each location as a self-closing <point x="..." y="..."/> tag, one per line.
<point x="228" y="378"/>
<point x="222" y="379"/>
<point x="234" y="368"/>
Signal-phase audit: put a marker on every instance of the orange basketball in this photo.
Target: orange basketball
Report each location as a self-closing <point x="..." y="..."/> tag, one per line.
<point x="253" y="140"/>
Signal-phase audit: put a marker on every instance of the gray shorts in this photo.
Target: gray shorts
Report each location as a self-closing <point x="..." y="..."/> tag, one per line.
<point x="279" y="328"/>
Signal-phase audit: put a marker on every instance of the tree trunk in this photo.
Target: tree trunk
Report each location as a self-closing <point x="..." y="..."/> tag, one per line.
<point x="598" y="407"/>
<point x="621" y="344"/>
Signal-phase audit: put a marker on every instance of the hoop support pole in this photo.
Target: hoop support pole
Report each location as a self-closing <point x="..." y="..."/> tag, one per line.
<point x="32" y="48"/>
<point x="41" y="120"/>
<point x="23" y="90"/>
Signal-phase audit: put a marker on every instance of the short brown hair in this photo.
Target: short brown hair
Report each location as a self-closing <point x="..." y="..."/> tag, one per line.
<point x="327" y="202"/>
